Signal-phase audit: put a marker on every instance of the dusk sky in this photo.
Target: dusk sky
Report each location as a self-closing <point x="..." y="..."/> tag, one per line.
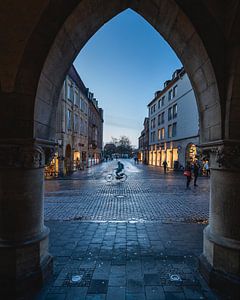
<point x="123" y="64"/>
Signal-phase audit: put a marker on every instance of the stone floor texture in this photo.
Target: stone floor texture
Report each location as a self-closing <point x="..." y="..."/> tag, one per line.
<point x="140" y="239"/>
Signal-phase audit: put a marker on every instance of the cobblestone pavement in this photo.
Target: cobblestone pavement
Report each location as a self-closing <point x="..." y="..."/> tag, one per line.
<point x="147" y="195"/>
<point x="137" y="240"/>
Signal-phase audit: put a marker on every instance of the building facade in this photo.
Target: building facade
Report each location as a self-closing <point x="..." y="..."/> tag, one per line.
<point x="174" y="123"/>
<point x="143" y="143"/>
<point x="73" y="126"/>
<point x="95" y="131"/>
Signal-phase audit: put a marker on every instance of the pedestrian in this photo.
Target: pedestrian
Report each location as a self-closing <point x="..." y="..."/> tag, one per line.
<point x="188" y="174"/>
<point x="165" y="166"/>
<point x="206" y="168"/>
<point x="195" y="172"/>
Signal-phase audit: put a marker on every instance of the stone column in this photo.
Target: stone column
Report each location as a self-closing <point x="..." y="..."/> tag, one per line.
<point x="220" y="261"/>
<point x="24" y="258"/>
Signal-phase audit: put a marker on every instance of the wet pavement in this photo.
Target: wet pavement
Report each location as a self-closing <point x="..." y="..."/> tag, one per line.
<point x="147" y="195"/>
<point x="134" y="240"/>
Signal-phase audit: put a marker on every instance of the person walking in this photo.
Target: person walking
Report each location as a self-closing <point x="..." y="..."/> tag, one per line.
<point x="206" y="168"/>
<point x="165" y="166"/>
<point x="195" y="172"/>
<point x="188" y="174"/>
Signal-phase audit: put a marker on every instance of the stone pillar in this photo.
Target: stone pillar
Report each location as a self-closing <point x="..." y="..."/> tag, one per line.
<point x="24" y="258"/>
<point x="220" y="261"/>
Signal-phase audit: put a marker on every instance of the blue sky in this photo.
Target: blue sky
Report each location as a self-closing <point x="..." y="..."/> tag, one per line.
<point x="123" y="64"/>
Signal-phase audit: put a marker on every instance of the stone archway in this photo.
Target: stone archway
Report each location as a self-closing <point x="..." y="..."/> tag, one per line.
<point x="52" y="35"/>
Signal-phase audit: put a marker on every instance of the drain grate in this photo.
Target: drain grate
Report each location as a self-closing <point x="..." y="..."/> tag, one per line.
<point x="78" y="278"/>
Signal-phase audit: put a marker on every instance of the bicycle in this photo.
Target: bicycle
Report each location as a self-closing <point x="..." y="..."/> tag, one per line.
<point x="121" y="177"/>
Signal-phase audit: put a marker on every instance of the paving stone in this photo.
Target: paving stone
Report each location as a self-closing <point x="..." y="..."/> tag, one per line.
<point x="135" y="286"/>
<point x="154" y="293"/>
<point x="175" y="296"/>
<point x="151" y="279"/>
<point x="96" y="297"/>
<point x="135" y="296"/>
<point x="117" y="293"/>
<point x="131" y="244"/>
<point x="98" y="286"/>
<point x="76" y="293"/>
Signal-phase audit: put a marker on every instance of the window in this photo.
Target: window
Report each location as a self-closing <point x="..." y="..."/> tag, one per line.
<point x="76" y="98"/>
<point x="163" y="133"/>
<point x="174" y="110"/>
<point x="170" y="114"/>
<point x="175" y="91"/>
<point x="162" y="119"/>
<point x="159" y="119"/>
<point x="159" y="103"/>
<point x="163" y="99"/>
<point x="75" y="123"/>
<point x="70" y="92"/>
<point x="174" y="129"/>
<point x="169" y="95"/>
<point x="81" y="126"/>
<point x="169" y="131"/>
<point x="153" y="136"/>
<point x="85" y="128"/>
<point x="153" y="109"/>
<point x="153" y="123"/>
<point x="69" y="87"/>
<point x="69" y="116"/>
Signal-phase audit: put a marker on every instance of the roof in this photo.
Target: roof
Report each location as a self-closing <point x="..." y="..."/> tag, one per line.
<point x="72" y="72"/>
<point x="170" y="84"/>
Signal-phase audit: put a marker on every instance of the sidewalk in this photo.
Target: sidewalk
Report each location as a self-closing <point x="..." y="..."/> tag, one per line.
<point x="137" y="240"/>
<point x="116" y="261"/>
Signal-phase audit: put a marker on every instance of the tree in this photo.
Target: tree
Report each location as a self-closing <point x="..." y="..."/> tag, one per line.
<point x="109" y="149"/>
<point x="124" y="146"/>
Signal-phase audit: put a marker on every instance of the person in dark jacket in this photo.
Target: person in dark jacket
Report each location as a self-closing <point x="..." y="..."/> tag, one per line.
<point x="165" y="166"/>
<point x="195" y="172"/>
<point x="189" y="177"/>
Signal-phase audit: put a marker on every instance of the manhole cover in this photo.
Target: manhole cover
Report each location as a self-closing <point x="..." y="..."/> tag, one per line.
<point x="76" y="278"/>
<point x="175" y="277"/>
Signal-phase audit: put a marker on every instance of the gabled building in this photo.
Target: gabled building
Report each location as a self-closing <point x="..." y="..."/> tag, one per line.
<point x="75" y="123"/>
<point x="173" y="123"/>
<point x="95" y="131"/>
<point x="143" y="143"/>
